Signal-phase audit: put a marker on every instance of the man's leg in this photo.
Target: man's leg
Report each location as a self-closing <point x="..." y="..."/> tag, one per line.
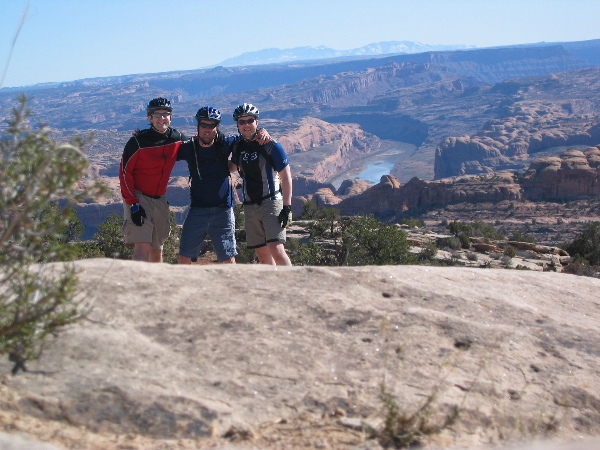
<point x="278" y="253"/>
<point x="193" y="232"/>
<point x="222" y="235"/>
<point x="141" y="251"/>
<point x="228" y="261"/>
<point x="156" y="255"/>
<point x="264" y="255"/>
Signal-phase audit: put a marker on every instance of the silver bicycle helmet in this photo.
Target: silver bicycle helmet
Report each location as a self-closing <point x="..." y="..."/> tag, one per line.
<point x="246" y="109"/>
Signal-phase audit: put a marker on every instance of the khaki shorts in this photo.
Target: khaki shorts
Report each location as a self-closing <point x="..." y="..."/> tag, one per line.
<point x="262" y="223"/>
<point x="156" y="227"/>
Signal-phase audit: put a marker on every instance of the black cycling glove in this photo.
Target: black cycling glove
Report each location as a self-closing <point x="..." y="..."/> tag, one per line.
<point x="285" y="216"/>
<point x="137" y="214"/>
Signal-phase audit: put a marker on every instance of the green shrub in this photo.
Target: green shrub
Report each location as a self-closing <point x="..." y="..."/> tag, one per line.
<point x="403" y="429"/>
<point x="507" y="261"/>
<point x="412" y="223"/>
<point x="324" y="224"/>
<point x="37" y="300"/>
<point x="309" y="210"/>
<point x="171" y="245"/>
<point x="587" y="244"/>
<point x="428" y="252"/>
<point x="245" y="255"/>
<point x="465" y="241"/>
<point x="582" y="269"/>
<point x="475" y="229"/>
<point x="109" y="238"/>
<point x="352" y="241"/>
<point x="472" y="256"/>
<point x="453" y="243"/>
<point x="312" y="254"/>
<point x="510" y="251"/>
<point x="517" y="236"/>
<point x="86" y="250"/>
<point x="366" y="241"/>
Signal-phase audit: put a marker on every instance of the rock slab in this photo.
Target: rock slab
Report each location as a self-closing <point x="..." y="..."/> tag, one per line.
<point x="247" y="353"/>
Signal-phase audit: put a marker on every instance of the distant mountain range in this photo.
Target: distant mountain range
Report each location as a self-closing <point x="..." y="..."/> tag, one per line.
<point x="276" y="55"/>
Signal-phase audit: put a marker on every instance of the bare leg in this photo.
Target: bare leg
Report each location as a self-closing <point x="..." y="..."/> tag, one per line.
<point x="141" y="251"/>
<point x="227" y="261"/>
<point x="277" y="250"/>
<point x="156" y="255"/>
<point x="264" y="255"/>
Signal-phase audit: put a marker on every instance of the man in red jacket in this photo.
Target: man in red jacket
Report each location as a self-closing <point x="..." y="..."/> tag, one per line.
<point x="148" y="158"/>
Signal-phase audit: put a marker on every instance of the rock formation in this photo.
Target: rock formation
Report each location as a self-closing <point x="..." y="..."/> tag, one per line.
<point x="419" y="194"/>
<point x="307" y="186"/>
<point x="570" y="176"/>
<point x="325" y="197"/>
<point x="528" y="125"/>
<point x="573" y="175"/>
<point x="350" y="188"/>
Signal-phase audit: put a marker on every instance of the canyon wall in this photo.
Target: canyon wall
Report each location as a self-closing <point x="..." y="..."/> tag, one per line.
<point x="573" y="175"/>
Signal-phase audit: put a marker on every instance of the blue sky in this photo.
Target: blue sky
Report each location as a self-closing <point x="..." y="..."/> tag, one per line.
<point x="64" y="40"/>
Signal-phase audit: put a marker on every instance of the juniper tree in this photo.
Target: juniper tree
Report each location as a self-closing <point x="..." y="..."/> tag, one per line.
<point x="587" y="244"/>
<point x="37" y="299"/>
<point x="109" y="238"/>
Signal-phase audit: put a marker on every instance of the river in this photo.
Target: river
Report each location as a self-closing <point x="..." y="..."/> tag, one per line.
<point x="371" y="168"/>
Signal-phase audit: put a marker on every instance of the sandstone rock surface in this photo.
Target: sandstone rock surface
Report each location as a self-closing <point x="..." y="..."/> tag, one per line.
<point x="570" y="176"/>
<point x="253" y="356"/>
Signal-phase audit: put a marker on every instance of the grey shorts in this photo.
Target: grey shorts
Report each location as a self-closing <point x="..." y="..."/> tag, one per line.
<point x="262" y="223"/>
<point x="156" y="227"/>
<point x="218" y="223"/>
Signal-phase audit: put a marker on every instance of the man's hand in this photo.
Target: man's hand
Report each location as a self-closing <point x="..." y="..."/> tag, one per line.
<point x="137" y="214"/>
<point x="262" y="136"/>
<point x="285" y="216"/>
<point x="219" y="139"/>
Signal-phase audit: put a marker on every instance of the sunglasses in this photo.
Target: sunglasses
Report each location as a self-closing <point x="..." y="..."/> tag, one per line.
<point x="159" y="114"/>
<point x="245" y="121"/>
<point x="211" y="125"/>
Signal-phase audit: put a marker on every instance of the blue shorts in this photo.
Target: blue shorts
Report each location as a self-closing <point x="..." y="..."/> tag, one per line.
<point x="218" y="223"/>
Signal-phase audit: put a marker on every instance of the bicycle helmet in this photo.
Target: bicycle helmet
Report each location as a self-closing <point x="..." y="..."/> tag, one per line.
<point x="208" y="113"/>
<point x="158" y="103"/>
<point x="245" y="110"/>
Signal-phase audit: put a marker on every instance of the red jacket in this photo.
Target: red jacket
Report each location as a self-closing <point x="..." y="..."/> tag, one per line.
<point x="147" y="161"/>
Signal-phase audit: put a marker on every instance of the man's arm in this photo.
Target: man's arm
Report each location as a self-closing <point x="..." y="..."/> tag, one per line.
<point x="286" y="183"/>
<point x="231" y="148"/>
<point x="262" y="136"/>
<point x="126" y="172"/>
<point x="185" y="151"/>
